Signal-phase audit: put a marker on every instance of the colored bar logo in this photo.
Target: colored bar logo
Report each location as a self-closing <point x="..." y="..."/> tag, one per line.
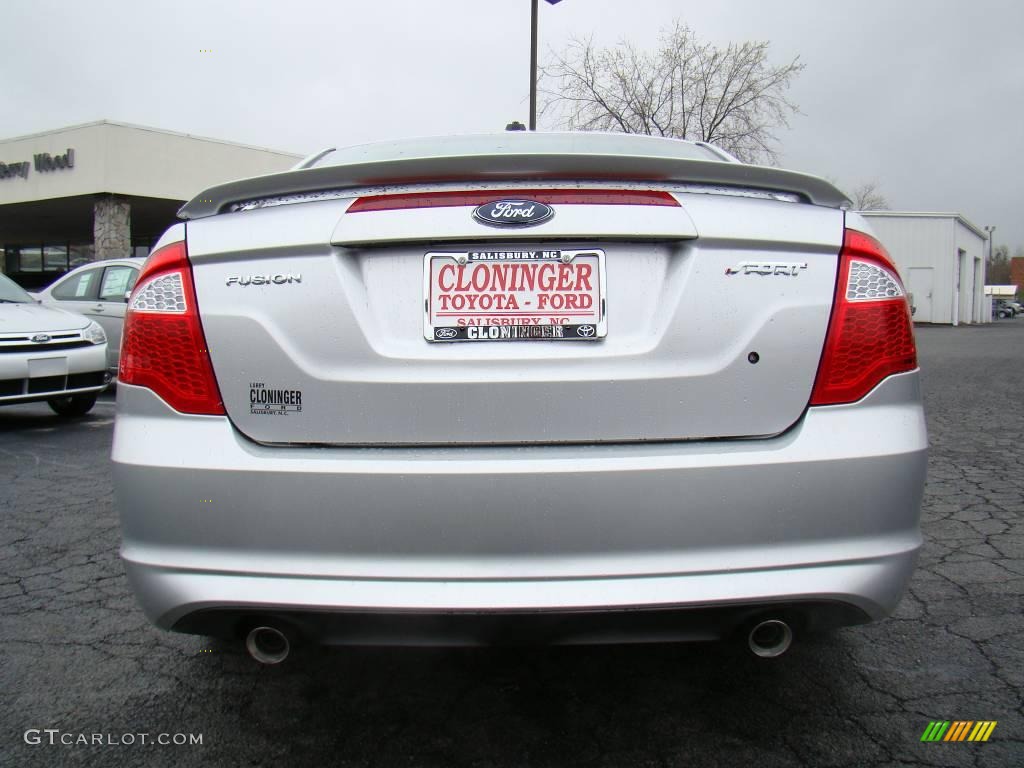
<point x="959" y="730"/>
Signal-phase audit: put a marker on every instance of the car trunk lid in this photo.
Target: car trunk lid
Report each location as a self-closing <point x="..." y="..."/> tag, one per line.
<point x="317" y="316"/>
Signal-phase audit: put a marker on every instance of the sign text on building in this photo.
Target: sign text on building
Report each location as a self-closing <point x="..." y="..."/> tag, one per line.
<point x="44" y="161"/>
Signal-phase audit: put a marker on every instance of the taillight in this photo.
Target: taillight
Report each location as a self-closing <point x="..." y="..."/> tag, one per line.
<point x="445" y="199"/>
<point x="870" y="335"/>
<point x="163" y="346"/>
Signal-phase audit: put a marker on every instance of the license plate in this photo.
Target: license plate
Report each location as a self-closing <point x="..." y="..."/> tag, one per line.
<point x="514" y="295"/>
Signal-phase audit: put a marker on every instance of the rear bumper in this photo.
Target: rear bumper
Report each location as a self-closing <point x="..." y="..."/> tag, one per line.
<point x="218" y="527"/>
<point x="551" y="627"/>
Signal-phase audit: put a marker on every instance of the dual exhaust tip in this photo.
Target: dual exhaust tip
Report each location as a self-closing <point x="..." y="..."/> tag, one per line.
<point x="770" y="638"/>
<point x="268" y="645"/>
<point x="767" y="639"/>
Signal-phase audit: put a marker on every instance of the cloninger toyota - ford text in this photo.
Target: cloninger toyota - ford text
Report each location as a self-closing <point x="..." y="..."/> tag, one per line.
<point x="526" y="387"/>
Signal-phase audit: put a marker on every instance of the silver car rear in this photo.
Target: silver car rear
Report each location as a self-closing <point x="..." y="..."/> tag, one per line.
<point x="355" y="405"/>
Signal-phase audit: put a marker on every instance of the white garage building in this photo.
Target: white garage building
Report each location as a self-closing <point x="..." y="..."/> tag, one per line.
<point x="941" y="258"/>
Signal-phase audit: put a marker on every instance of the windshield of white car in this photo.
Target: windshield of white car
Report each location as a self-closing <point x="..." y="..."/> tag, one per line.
<point x="12" y="293"/>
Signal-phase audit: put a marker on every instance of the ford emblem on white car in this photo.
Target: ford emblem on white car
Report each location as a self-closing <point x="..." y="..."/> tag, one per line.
<point x="513" y="213"/>
<point x="41" y="338"/>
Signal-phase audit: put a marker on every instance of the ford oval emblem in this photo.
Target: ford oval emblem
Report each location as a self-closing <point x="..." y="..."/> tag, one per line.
<point x="41" y="338"/>
<point x="513" y="213"/>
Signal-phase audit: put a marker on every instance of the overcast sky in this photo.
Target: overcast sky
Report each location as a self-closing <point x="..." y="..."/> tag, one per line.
<point x="924" y="96"/>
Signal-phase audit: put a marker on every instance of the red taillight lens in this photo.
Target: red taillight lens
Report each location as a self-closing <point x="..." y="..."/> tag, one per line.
<point x="163" y="346"/>
<point x="446" y="199"/>
<point x="870" y="335"/>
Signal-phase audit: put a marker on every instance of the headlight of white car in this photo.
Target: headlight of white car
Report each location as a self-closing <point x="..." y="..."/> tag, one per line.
<point x="94" y="333"/>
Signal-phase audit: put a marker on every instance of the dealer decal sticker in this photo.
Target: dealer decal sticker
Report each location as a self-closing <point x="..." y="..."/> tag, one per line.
<point x="269" y="401"/>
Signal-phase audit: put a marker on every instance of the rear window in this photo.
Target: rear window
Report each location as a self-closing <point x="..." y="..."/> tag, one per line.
<point x="521" y="142"/>
<point x="117" y="281"/>
<point x="80" y="287"/>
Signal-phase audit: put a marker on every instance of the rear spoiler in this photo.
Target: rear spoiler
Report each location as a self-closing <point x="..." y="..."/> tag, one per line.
<point x="516" y="165"/>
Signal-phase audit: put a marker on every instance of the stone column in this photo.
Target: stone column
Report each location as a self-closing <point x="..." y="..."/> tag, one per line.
<point x="112" y="227"/>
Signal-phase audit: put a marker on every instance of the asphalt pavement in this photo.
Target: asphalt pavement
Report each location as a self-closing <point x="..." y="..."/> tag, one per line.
<point x="78" y="661"/>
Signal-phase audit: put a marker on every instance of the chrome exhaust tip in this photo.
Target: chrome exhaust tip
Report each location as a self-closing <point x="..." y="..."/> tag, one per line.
<point x="268" y="645"/>
<point x="769" y="639"/>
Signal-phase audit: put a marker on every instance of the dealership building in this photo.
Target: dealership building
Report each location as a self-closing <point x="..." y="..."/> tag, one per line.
<point x="105" y="190"/>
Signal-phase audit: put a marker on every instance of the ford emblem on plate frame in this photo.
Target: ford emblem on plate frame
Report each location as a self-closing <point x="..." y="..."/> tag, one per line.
<point x="513" y="213"/>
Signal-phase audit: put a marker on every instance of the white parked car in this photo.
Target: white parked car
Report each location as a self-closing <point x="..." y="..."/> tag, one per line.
<point x="49" y="354"/>
<point x="99" y="291"/>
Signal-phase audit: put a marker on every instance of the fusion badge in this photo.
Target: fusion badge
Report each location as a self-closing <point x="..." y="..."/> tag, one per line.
<point x="279" y="279"/>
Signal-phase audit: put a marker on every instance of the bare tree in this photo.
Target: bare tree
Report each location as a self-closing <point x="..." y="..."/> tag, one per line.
<point x="997" y="270"/>
<point x="687" y="89"/>
<point x="867" y="197"/>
